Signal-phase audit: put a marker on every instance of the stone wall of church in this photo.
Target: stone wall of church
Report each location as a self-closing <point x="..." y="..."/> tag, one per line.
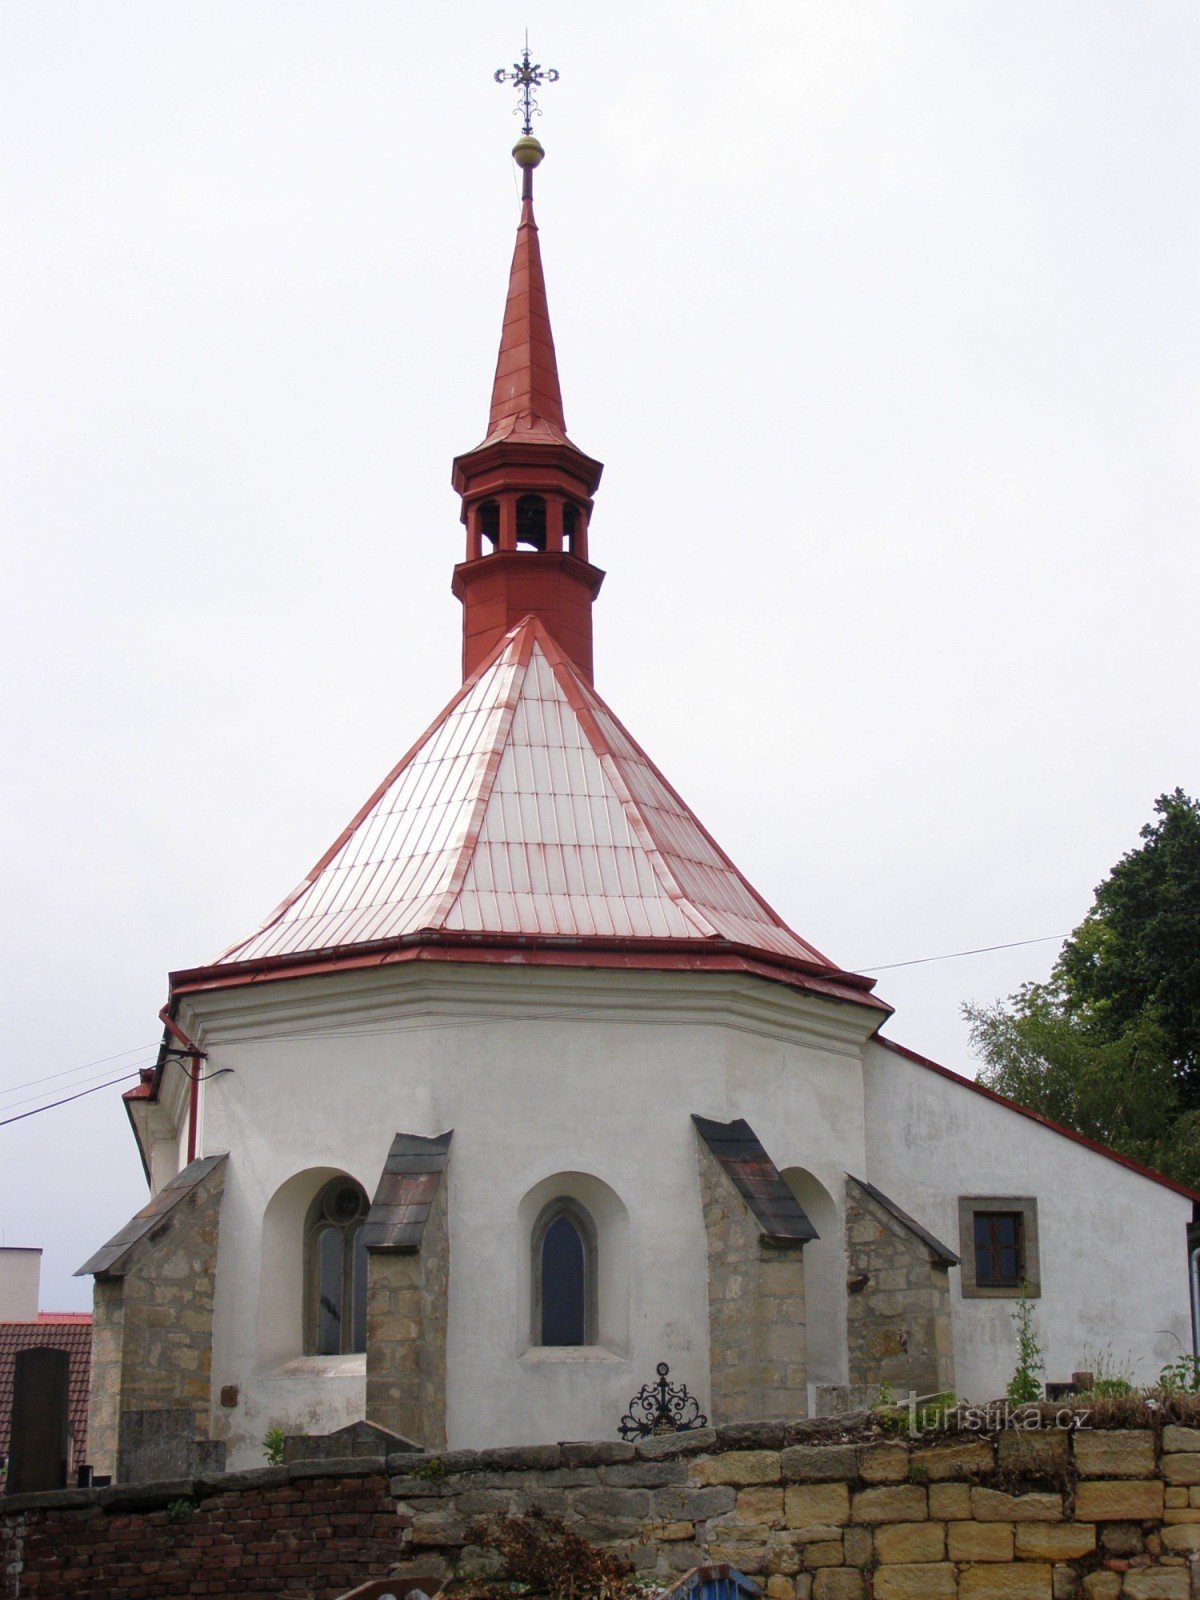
<point x="152" y="1327"/>
<point x="755" y="1308"/>
<point x="407" y="1305"/>
<point x="812" y="1511"/>
<point x="898" y="1304"/>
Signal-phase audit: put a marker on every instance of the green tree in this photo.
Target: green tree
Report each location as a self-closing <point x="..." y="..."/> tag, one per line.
<point x="1110" y="1044"/>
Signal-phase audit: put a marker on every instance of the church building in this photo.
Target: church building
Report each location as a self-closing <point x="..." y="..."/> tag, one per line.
<point x="525" y="1091"/>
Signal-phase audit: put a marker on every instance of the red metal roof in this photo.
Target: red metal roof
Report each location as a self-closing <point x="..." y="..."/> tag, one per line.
<point x="60" y="1330"/>
<point x="528" y="816"/>
<point x="526" y="398"/>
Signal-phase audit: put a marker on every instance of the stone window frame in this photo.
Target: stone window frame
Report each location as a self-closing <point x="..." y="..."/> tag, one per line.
<point x="316" y="1223"/>
<point x="581" y="1219"/>
<point x="1026" y="1207"/>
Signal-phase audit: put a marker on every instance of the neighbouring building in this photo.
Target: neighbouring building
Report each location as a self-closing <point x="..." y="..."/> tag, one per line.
<point x="24" y="1327"/>
<point x="526" y="1089"/>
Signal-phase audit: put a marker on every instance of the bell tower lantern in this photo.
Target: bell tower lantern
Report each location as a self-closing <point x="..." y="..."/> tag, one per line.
<point x="526" y="489"/>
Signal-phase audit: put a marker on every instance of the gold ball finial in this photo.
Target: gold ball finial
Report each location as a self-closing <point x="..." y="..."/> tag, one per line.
<point x="527" y="152"/>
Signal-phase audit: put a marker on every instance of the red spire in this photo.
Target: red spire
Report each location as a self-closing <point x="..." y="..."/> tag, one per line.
<point x="526" y="490"/>
<point x="526" y="391"/>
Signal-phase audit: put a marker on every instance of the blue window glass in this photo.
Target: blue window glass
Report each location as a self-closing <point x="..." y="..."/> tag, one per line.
<point x="564" y="1284"/>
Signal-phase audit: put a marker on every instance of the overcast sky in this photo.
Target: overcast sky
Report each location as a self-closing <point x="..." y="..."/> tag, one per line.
<point x="882" y="318"/>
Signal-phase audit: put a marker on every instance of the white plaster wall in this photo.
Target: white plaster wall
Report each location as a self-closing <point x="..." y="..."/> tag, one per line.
<point x="20" y="1283"/>
<point x="539" y="1073"/>
<point x="1112" y="1244"/>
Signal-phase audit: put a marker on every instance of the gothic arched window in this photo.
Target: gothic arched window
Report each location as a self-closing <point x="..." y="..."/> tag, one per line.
<point x="564" y="1275"/>
<point x="335" y="1270"/>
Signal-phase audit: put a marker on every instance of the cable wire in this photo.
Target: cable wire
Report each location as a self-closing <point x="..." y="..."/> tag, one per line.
<point x="54" y="1104"/>
<point x="954" y="955"/>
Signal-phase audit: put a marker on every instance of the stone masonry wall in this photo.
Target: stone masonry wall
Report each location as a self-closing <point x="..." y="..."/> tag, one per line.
<point x="407" y="1302"/>
<point x="153" y="1324"/>
<point x="1046" y="1515"/>
<point x="898" y="1306"/>
<point x="104" y="1404"/>
<point x="755" y="1308"/>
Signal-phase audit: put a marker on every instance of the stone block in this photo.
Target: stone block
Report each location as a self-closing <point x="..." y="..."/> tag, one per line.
<point x="597" y="1452"/>
<point x="1115" y="1453"/>
<point x="1025" y="1581"/>
<point x="760" y="1504"/>
<point x="1055" y="1541"/>
<point x="949" y="1502"/>
<point x="943" y="1463"/>
<point x="816" y="1505"/>
<point x="613" y="1505"/>
<point x="668" y="1532"/>
<point x="918" y="1582"/>
<point x="693" y="1443"/>
<point x="1033" y="1452"/>
<point x="1176" y="1438"/>
<point x="1182" y="1468"/>
<point x="1182" y="1539"/>
<point x="824" y="1553"/>
<point x="838" y="1583"/>
<point x="746" y="1558"/>
<point x="820" y="1463"/>
<point x="645" y="1474"/>
<point x="882" y="1463"/>
<point x="897" y="1543"/>
<point x="859" y="1547"/>
<point x="981" y="1541"/>
<point x="738" y="1466"/>
<point x="1122" y="1539"/>
<point x="1129" y="1501"/>
<point x="1066" y="1583"/>
<point x="1102" y="1586"/>
<point x="891" y="1503"/>
<point x="1162" y="1583"/>
<point x="695" y="1504"/>
<point x="781" y="1588"/>
<point x="1176" y="1498"/>
<point x="991" y="1505"/>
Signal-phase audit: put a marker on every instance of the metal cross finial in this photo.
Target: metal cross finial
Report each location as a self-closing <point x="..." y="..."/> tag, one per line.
<point x="528" y="76"/>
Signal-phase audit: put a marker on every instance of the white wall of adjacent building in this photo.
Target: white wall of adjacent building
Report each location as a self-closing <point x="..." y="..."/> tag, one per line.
<point x="1112" y="1243"/>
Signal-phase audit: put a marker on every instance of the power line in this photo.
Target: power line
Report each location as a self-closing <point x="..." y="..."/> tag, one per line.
<point x="131" y="1067"/>
<point x="71" y="1071"/>
<point x="54" y="1104"/>
<point x="954" y="955"/>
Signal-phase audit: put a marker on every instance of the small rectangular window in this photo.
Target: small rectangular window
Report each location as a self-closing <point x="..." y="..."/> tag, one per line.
<point x="999" y="1246"/>
<point x="998" y="1252"/>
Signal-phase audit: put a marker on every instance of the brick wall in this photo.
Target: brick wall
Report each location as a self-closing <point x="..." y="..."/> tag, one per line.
<point x="1026" y="1516"/>
<point x="755" y="1306"/>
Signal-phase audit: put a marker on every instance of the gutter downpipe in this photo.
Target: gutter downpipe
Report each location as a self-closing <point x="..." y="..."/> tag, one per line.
<point x="187" y="1048"/>
<point x="1194" y="1263"/>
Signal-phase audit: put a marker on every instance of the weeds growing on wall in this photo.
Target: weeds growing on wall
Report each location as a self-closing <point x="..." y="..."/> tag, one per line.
<point x="272" y="1446"/>
<point x="1025" y="1385"/>
<point x="537" y="1555"/>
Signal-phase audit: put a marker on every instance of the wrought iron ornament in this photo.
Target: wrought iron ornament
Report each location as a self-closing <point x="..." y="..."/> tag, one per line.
<point x="528" y="76"/>
<point x="661" y="1407"/>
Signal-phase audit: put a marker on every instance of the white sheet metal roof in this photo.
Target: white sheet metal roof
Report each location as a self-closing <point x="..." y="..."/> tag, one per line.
<point x="525" y="810"/>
